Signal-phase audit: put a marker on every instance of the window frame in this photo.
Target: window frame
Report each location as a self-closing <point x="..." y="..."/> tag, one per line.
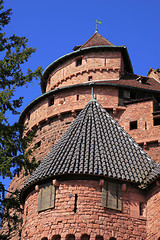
<point x="46" y="196"/>
<point x="112" y="195"/>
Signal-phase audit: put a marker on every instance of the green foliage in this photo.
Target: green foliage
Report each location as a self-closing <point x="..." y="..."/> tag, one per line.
<point x="15" y="54"/>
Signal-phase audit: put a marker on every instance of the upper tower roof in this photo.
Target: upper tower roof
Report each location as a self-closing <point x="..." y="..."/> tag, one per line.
<point x="95" y="40"/>
<point x="96" y="145"/>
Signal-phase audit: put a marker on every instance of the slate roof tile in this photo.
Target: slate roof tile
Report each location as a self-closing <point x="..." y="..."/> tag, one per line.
<point x="96" y="144"/>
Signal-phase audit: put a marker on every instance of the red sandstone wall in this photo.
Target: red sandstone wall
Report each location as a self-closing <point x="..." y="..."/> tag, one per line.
<point x="66" y="101"/>
<point x="90" y="218"/>
<point x="99" y="65"/>
<point x="146" y="133"/>
<point x="153" y="214"/>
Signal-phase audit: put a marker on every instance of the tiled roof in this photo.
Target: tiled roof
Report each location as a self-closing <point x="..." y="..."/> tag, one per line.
<point x="154" y="174"/>
<point x="96" y="40"/>
<point x="136" y="81"/>
<point x="95" y="144"/>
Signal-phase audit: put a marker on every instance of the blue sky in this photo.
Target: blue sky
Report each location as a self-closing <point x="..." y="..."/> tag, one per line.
<point x="55" y="27"/>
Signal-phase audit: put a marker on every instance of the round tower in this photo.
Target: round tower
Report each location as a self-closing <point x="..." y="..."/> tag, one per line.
<point x="95" y="180"/>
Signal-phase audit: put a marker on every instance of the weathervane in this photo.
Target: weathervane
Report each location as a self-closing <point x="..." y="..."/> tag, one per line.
<point x="97" y="22"/>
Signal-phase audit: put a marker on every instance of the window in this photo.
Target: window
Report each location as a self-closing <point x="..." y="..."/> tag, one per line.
<point x="133" y="125"/>
<point x="85" y="237"/>
<point x="90" y="78"/>
<point x="133" y="95"/>
<point x="126" y="94"/>
<point x="51" y="101"/>
<point x="156" y="121"/>
<point x="112" y="195"/>
<point x="56" y="237"/>
<point x="70" y="237"/>
<point x="152" y="144"/>
<point x="77" y="97"/>
<point x="46" y="196"/>
<point x="44" y="238"/>
<point x="99" y="238"/>
<point x="75" y="203"/>
<point x="112" y="238"/>
<point x="78" y="62"/>
<point x="142" y="207"/>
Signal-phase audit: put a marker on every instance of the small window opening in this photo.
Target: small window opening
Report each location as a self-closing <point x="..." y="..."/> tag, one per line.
<point x="78" y="62"/>
<point x="90" y="78"/>
<point x="142" y="209"/>
<point x="133" y="125"/>
<point x="44" y="238"/>
<point x="99" y="238"/>
<point x="70" y="237"/>
<point x="156" y="121"/>
<point x="77" y="97"/>
<point x="133" y="95"/>
<point x="56" y="237"/>
<point x="51" y="101"/>
<point x="37" y="145"/>
<point x="75" y="203"/>
<point x="126" y="94"/>
<point x="85" y="237"/>
<point x="152" y="144"/>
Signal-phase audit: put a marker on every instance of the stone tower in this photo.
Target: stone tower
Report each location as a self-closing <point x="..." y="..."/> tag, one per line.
<point x="95" y="122"/>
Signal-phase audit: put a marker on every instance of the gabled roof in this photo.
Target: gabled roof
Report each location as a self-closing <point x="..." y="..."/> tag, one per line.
<point x="95" y="144"/>
<point x="96" y="40"/>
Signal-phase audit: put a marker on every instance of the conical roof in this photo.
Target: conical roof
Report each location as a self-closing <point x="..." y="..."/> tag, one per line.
<point x="95" y="144"/>
<point x="96" y="40"/>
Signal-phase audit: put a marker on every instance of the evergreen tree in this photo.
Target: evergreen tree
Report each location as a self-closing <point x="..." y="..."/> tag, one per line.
<point x="15" y="53"/>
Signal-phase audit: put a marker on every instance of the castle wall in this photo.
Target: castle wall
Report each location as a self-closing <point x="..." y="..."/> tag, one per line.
<point x="146" y="134"/>
<point x="153" y="213"/>
<point x="100" y="65"/>
<point x="69" y="101"/>
<point x="90" y="217"/>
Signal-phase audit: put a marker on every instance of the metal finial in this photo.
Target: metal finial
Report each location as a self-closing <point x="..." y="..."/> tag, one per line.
<point x="92" y="92"/>
<point x="97" y="22"/>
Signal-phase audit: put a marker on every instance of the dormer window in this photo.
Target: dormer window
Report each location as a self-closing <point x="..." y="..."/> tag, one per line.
<point x="79" y="61"/>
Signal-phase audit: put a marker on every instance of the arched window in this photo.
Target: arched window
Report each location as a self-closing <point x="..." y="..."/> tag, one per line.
<point x="85" y="237"/>
<point x="56" y="237"/>
<point x="70" y="237"/>
<point x="99" y="238"/>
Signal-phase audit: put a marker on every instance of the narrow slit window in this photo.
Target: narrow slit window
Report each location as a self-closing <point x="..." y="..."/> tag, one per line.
<point x="75" y="203"/>
<point x="77" y="97"/>
<point x="133" y="125"/>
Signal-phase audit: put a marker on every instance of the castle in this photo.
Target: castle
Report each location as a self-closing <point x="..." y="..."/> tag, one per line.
<point x="98" y="133"/>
